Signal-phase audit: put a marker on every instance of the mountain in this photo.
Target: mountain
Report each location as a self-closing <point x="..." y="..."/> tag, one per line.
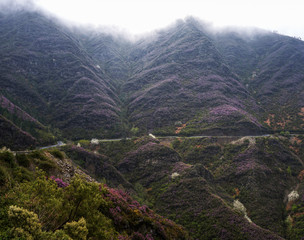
<point x="217" y="188"/>
<point x="270" y="66"/>
<point x="185" y="79"/>
<point x="44" y="70"/>
<point x="238" y="88"/>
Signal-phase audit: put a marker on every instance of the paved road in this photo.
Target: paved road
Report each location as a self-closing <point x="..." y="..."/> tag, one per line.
<point x="59" y="143"/>
<point x="199" y="136"/>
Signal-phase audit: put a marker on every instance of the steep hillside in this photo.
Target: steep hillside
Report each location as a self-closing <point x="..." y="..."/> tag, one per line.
<point x="45" y="71"/>
<point x="271" y="67"/>
<point x="62" y="202"/>
<point x="217" y="188"/>
<point x="13" y="137"/>
<point x="181" y="78"/>
<point x="26" y="123"/>
<point x="110" y="52"/>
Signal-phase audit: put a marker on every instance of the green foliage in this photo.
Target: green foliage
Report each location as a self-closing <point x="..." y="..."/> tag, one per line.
<point x="39" y="158"/>
<point x="4" y="176"/>
<point x="141" y="195"/>
<point x="7" y="158"/>
<point x="23" y="160"/>
<point x="77" y="230"/>
<point x="56" y="206"/>
<point x="116" y="150"/>
<point x="285" y="133"/>
<point x="10" y="171"/>
<point x="44" y="136"/>
<point x="164" y="131"/>
<point x="84" y="143"/>
<point x="46" y="165"/>
<point x="176" y="143"/>
<point x="57" y="153"/>
<point x="134" y="131"/>
<point x="38" y="154"/>
<point x="25" y="223"/>
<point x="22" y="174"/>
<point x="37" y="209"/>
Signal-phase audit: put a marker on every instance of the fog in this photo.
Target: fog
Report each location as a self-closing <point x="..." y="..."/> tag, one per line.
<point x="9" y="6"/>
<point x="133" y="19"/>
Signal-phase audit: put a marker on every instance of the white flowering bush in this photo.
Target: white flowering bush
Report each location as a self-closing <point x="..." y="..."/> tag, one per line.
<point x="174" y="175"/>
<point x="294" y="195"/>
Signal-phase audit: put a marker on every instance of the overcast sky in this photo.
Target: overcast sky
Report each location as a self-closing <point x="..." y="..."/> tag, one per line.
<point x="141" y="16"/>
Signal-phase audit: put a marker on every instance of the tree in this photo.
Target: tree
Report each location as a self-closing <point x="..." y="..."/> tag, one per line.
<point x="77" y="230"/>
<point x="26" y="224"/>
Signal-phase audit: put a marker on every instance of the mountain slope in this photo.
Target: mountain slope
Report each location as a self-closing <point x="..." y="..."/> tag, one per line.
<point x="13" y="137"/>
<point x="47" y="73"/>
<point x="271" y="66"/>
<point x="182" y="77"/>
<point x="217" y="188"/>
<point x="184" y="80"/>
<point x="62" y="202"/>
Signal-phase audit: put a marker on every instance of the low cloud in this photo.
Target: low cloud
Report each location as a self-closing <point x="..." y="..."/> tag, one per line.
<point x="17" y="5"/>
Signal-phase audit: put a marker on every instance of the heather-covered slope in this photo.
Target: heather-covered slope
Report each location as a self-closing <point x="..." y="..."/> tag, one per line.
<point x="62" y="202"/>
<point x="271" y="67"/>
<point x="217" y="188"/>
<point x="110" y="52"/>
<point x="26" y="124"/>
<point x="13" y="137"/>
<point x="45" y="71"/>
<point x="182" y="78"/>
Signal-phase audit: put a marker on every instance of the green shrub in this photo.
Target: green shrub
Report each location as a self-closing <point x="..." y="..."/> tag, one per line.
<point x="46" y="165"/>
<point x="8" y="157"/>
<point x="57" y="154"/>
<point x="3" y="176"/>
<point x="26" y="224"/>
<point x="84" y="143"/>
<point x="21" y="174"/>
<point x="38" y="154"/>
<point x="23" y="160"/>
<point x="77" y="230"/>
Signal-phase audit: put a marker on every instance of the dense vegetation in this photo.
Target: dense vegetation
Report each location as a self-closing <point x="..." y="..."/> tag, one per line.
<point x="185" y="80"/>
<point x="216" y="188"/>
<point x="58" y="83"/>
<point x="37" y="205"/>
<point x="199" y="182"/>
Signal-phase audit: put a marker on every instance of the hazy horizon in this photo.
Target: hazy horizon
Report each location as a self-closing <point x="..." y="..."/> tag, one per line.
<point x="141" y="17"/>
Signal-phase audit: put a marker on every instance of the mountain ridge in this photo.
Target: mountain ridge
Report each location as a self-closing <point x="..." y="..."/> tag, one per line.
<point x="187" y="80"/>
<point x="86" y="83"/>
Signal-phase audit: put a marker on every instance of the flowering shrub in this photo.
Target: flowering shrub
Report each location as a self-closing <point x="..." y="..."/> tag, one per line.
<point x="60" y="182"/>
<point x="174" y="175"/>
<point x="89" y="210"/>
<point x="221" y="113"/>
<point x="293" y="195"/>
